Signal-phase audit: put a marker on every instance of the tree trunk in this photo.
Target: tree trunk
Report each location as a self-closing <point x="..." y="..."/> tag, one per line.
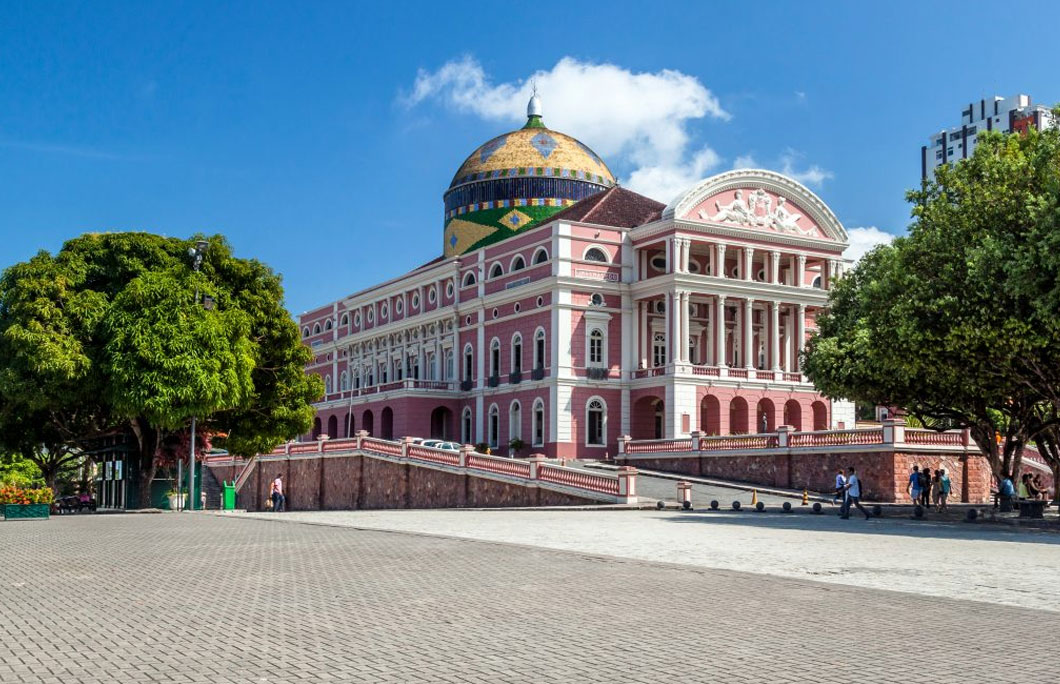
<point x="148" y="439"/>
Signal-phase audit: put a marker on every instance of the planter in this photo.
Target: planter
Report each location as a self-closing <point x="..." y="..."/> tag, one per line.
<point x="176" y="501"/>
<point x="26" y="511"/>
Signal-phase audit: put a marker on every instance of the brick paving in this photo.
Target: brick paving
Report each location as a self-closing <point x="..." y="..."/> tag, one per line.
<point x="199" y="598"/>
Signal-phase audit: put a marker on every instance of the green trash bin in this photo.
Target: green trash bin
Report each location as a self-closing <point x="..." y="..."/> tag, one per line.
<point x="230" y="496"/>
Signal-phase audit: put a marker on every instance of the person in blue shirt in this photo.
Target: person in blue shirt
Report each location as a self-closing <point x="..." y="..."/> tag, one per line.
<point x="913" y="488"/>
<point x="944" y="489"/>
<point x="840" y="486"/>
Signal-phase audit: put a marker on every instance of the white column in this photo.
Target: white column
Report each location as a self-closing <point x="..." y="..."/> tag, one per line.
<point x="685" y="327"/>
<point x="800" y="339"/>
<point x="800" y="271"/>
<point x="668" y="327"/>
<point x="775" y="330"/>
<point x="719" y="331"/>
<point x="748" y="263"/>
<point x="787" y="341"/>
<point x="643" y="336"/>
<point x="670" y="255"/>
<point x="688" y="253"/>
<point x="774" y="274"/>
<point x="719" y="266"/>
<point x="748" y="333"/>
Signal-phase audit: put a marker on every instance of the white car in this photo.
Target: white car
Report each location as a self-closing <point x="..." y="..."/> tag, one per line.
<point x="440" y="444"/>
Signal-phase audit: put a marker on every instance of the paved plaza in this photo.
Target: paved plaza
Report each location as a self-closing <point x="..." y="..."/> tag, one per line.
<point x="211" y="598"/>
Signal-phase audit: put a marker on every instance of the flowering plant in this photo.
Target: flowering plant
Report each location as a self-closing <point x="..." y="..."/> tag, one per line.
<point x="19" y="495"/>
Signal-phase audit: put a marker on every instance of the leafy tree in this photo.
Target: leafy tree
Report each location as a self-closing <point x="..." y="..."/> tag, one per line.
<point x="958" y="322"/>
<point x="109" y="334"/>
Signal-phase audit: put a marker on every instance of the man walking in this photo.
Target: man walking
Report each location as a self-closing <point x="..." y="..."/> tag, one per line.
<point x="913" y="488"/>
<point x="853" y="496"/>
<point x="840" y="486"/>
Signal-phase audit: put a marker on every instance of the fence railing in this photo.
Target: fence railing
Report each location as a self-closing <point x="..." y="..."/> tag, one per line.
<point x="891" y="432"/>
<point x="619" y="488"/>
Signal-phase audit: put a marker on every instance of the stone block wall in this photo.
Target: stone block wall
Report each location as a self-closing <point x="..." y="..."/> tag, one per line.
<point x="362" y="482"/>
<point x="883" y="474"/>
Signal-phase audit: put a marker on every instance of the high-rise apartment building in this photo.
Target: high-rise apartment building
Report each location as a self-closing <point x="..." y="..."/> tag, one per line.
<point x="997" y="113"/>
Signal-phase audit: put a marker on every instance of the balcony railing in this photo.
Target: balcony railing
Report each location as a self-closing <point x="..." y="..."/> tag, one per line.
<point x="706" y="371"/>
<point x="537" y="373"/>
<point x="891" y="434"/>
<point x="466" y="385"/>
<point x="598" y="373"/>
<point x="493" y="380"/>
<point x="515" y="377"/>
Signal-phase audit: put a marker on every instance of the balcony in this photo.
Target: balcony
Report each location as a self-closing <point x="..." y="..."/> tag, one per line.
<point x="466" y="385"/>
<point x="398" y="385"/>
<point x="597" y="373"/>
<point x="537" y="373"/>
<point x="740" y="373"/>
<point x="515" y="377"/>
<point x="493" y="380"/>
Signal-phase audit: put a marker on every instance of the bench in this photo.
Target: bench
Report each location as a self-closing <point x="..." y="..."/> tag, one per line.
<point x="1032" y="508"/>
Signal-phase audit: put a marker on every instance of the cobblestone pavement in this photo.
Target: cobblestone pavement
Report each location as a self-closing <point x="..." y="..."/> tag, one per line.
<point x="949" y="560"/>
<point x="202" y="598"/>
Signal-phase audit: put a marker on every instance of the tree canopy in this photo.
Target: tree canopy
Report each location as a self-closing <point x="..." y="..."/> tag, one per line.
<point x="111" y="334"/>
<point x="959" y="322"/>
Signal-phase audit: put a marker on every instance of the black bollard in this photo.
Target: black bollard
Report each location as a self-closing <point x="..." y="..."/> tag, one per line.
<point x="760" y="507"/>
<point x="714" y="505"/>
<point x="817" y="507"/>
<point x="787" y="507"/>
<point x="735" y="505"/>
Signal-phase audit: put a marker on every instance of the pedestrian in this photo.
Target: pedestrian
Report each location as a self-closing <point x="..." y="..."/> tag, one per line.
<point x="925" y="486"/>
<point x="936" y="488"/>
<point x="1024" y="491"/>
<point x="853" y="496"/>
<point x="840" y="486"/>
<point x="278" y="499"/>
<point x="1039" y="484"/>
<point x="944" y="489"/>
<point x="1033" y="489"/>
<point x="913" y="488"/>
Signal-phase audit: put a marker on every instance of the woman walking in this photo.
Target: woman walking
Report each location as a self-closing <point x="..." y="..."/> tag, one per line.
<point x="944" y="489"/>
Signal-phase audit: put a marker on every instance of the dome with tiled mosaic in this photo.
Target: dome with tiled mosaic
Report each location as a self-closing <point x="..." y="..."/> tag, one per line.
<point x="517" y="180"/>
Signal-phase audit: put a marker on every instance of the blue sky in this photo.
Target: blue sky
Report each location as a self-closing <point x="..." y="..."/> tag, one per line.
<point x="319" y="137"/>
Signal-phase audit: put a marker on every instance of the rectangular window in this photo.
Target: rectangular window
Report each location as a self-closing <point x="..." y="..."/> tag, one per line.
<point x="539" y="426"/>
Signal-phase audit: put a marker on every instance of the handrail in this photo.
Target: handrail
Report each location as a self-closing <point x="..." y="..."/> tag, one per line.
<point x="728" y="442"/>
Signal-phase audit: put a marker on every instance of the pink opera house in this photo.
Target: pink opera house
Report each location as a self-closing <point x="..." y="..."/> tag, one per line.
<point x="567" y="311"/>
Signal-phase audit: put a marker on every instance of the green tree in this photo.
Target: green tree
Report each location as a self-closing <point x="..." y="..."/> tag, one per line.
<point x="957" y="323"/>
<point x="110" y="334"/>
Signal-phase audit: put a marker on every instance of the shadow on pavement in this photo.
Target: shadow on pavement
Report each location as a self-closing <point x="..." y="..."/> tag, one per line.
<point x="829" y="521"/>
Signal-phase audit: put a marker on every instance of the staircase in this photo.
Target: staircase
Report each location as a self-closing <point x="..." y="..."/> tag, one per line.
<point x="213" y="489"/>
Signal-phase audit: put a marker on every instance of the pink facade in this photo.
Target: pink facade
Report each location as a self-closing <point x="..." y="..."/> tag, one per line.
<point x="616" y="317"/>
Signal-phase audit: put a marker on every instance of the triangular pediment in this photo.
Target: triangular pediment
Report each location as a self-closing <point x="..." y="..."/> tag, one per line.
<point x="758" y="200"/>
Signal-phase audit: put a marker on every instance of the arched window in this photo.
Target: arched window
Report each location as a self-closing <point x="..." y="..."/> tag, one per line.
<point x="469" y="279"/>
<point x="316" y="329"/>
<point x="658" y="347"/>
<point x="596" y="348"/>
<point x="538" y="423"/>
<point x="305" y="331"/>
<point x="817" y="282"/>
<point x="540" y="256"/>
<point x="467" y="427"/>
<point x="345" y="319"/>
<point x="518" y="264"/>
<point x="327" y="384"/>
<point x="595" y="422"/>
<point x="344" y="381"/>
<point x="469" y="363"/>
<point x="496" y="271"/>
<point x="327" y="324"/>
<point x="515" y="421"/>
<point x="495" y="357"/>
<point x="539" y="348"/>
<point x="517" y="353"/>
<point x="596" y="254"/>
<point x="494" y="426"/>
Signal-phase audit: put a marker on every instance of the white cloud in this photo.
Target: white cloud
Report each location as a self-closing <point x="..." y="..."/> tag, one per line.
<point x="745" y="161"/>
<point x="862" y="240"/>
<point x="639" y="120"/>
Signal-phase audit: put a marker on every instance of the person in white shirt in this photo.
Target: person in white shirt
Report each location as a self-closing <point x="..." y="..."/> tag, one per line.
<point x="853" y="496"/>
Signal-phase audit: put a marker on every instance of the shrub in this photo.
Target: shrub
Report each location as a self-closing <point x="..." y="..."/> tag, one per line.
<point x="19" y="495"/>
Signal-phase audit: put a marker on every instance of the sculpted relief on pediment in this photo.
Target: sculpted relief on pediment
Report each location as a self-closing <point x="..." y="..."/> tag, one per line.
<point x="759" y="210"/>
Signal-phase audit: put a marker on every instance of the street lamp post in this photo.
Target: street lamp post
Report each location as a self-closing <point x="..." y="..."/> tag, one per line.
<point x="197" y="253"/>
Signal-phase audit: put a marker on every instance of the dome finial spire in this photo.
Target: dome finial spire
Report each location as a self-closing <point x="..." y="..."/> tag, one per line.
<point x="533" y="109"/>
